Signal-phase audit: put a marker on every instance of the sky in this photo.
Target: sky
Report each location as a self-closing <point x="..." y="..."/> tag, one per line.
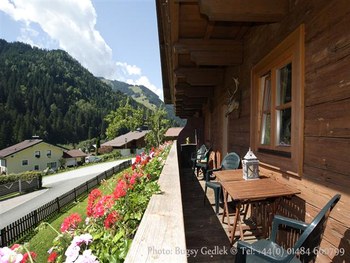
<point x="114" y="39"/>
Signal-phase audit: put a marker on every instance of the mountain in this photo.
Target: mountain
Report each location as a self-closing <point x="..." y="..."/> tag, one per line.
<point x="49" y="94"/>
<point x="146" y="97"/>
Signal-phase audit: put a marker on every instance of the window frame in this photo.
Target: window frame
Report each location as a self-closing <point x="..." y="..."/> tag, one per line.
<point x="288" y="159"/>
<point x="25" y="162"/>
<point x="37" y="154"/>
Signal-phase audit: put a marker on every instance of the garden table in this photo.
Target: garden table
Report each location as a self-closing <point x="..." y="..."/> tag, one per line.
<point x="248" y="191"/>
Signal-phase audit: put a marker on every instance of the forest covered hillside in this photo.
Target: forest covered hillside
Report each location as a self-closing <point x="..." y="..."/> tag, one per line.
<point x="49" y="94"/>
<point x="145" y="97"/>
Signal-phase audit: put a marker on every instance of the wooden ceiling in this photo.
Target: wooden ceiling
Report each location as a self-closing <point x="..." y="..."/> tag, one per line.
<point x="199" y="39"/>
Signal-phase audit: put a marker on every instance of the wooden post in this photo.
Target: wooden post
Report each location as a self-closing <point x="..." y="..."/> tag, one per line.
<point x="20" y="186"/>
<point x="58" y="205"/>
<point x="3" y="241"/>
<point x="36" y="219"/>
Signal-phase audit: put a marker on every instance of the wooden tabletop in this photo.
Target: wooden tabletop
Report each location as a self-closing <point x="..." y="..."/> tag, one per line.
<point x="257" y="189"/>
<point x="229" y="175"/>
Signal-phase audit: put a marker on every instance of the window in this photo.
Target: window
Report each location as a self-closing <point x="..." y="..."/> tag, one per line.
<point x="277" y="105"/>
<point x="24" y="162"/>
<point x="37" y="154"/>
<point x="52" y="165"/>
<point x="48" y="153"/>
<point x="36" y="167"/>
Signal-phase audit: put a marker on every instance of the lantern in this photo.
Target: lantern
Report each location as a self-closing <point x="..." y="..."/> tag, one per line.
<point x="250" y="165"/>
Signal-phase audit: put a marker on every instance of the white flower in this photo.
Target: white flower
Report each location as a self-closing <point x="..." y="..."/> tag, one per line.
<point x="9" y="256"/>
<point x="87" y="257"/>
<point x="84" y="238"/>
<point x="72" y="253"/>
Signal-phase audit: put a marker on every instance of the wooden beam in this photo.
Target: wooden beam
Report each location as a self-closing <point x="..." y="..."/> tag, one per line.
<point x="193" y="91"/>
<point x="201" y="76"/>
<point x="211" y="52"/>
<point x="244" y="10"/>
<point x="217" y="58"/>
<point x="183" y="46"/>
<point x="191" y="100"/>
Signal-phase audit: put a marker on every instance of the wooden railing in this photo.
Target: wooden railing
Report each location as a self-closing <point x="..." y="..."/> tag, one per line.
<point x="26" y="224"/>
<point x="161" y="234"/>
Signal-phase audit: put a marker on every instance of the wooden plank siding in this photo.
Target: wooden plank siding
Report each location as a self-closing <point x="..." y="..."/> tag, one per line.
<point x="326" y="165"/>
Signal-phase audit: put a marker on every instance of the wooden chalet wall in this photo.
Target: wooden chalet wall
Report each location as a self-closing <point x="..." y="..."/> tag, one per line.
<point x="326" y="167"/>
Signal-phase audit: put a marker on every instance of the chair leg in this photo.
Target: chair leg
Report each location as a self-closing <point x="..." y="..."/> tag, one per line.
<point x="205" y="193"/>
<point x="217" y="196"/>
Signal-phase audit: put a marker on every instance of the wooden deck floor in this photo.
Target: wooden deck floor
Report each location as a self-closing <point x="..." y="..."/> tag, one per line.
<point x="206" y="238"/>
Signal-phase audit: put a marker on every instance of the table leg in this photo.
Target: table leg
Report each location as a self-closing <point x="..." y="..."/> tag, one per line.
<point x="225" y="212"/>
<point x="234" y="227"/>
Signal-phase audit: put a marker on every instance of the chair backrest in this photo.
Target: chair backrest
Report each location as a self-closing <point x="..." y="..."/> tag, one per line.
<point x="201" y="151"/>
<point x="231" y="161"/>
<point x="311" y="238"/>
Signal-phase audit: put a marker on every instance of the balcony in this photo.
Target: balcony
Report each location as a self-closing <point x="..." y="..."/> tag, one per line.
<point x="177" y="226"/>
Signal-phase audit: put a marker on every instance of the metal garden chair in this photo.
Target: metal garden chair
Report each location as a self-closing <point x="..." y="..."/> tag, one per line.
<point x="304" y="250"/>
<point x="230" y="162"/>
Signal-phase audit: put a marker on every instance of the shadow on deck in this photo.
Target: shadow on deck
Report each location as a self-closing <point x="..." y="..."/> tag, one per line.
<point x="206" y="237"/>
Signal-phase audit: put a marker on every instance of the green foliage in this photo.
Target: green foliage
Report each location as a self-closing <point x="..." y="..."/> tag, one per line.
<point x="124" y="118"/>
<point x="98" y="145"/>
<point x="26" y="176"/>
<point x="158" y="125"/>
<point x="113" y="218"/>
<point x="48" y="93"/>
<point x="146" y="97"/>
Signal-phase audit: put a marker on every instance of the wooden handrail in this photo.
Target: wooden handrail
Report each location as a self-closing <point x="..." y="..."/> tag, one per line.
<point x="161" y="234"/>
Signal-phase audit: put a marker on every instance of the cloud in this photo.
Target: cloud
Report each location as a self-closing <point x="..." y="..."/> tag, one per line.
<point x="70" y="24"/>
<point x="132" y="75"/>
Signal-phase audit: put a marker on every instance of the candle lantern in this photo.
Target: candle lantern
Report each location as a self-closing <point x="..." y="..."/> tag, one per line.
<point x="250" y="165"/>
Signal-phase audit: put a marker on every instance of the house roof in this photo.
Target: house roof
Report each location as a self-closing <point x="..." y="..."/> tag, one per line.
<point x="18" y="147"/>
<point x="126" y="138"/>
<point x="173" y="132"/>
<point x="75" y="153"/>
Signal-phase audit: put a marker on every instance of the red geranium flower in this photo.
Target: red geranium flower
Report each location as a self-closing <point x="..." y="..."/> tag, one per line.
<point x="111" y="219"/>
<point x="26" y="257"/>
<point x="120" y="189"/>
<point x="52" y="257"/>
<point x="71" y="222"/>
<point x="93" y="196"/>
<point x="15" y="246"/>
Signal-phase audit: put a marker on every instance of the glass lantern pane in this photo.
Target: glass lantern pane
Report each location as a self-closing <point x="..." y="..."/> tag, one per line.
<point x="284" y="84"/>
<point x="284" y="127"/>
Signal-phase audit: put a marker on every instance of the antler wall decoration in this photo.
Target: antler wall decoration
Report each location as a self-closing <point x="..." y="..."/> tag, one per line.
<point x="232" y="103"/>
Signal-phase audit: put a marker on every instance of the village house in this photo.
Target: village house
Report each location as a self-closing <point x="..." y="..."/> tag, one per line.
<point x="131" y="142"/>
<point x="74" y="157"/>
<point x="172" y="133"/>
<point x="30" y="155"/>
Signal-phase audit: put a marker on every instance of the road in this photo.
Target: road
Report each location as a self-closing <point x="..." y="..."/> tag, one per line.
<point x="55" y="185"/>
